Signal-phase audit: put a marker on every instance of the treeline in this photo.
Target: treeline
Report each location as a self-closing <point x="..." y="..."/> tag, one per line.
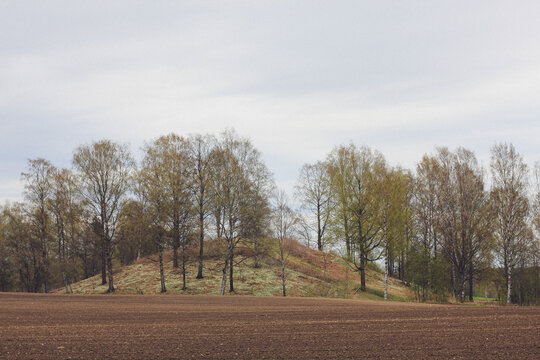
<point x="441" y="229"/>
<point x="75" y="223"/>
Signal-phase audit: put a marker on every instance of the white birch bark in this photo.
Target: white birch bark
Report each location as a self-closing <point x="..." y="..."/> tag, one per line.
<point x="161" y="272"/>
<point x="283" y="277"/>
<point x="386" y="275"/>
<point x="509" y="286"/>
<point x="225" y="269"/>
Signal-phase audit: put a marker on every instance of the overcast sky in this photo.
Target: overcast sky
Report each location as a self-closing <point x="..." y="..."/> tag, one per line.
<point x="297" y="77"/>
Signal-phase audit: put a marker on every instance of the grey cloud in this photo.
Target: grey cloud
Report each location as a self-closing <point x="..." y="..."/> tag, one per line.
<point x="298" y="77"/>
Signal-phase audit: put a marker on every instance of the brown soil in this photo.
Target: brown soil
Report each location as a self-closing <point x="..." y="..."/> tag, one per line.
<point x="145" y="327"/>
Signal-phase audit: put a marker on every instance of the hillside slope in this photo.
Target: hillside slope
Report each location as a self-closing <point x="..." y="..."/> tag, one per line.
<point x="310" y="273"/>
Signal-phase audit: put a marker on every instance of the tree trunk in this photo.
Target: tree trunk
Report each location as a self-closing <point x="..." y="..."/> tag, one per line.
<point x="109" y="265"/>
<point x="231" y="269"/>
<point x="21" y="280"/>
<point x="347" y="239"/>
<point x="462" y="288"/>
<point x="65" y="277"/>
<point x="37" y="275"/>
<point x="219" y="230"/>
<point x="201" y="243"/>
<point x="362" y="273"/>
<point x="386" y="276"/>
<point x="256" y="250"/>
<point x="319" y="234"/>
<point x="509" y="286"/>
<point x="401" y="269"/>
<point x="346" y="292"/>
<point x="454" y="286"/>
<point x="44" y="258"/>
<point x="471" y="289"/>
<point x="64" y="280"/>
<point x="175" y="256"/>
<point x="45" y="279"/>
<point x="176" y="240"/>
<point x="84" y="259"/>
<point x="283" y="278"/>
<point x="184" y="287"/>
<point x="224" y="277"/>
<point x="103" y="262"/>
<point x="161" y="273"/>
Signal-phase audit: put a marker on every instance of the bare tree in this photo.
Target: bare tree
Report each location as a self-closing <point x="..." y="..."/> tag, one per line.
<point x="38" y="190"/>
<point x="200" y="154"/>
<point x="462" y="200"/>
<point x="395" y="216"/>
<point x="153" y="189"/>
<point x="303" y="230"/>
<point x="229" y="185"/>
<point x="284" y="219"/>
<point x="173" y="153"/>
<point x="256" y="217"/>
<point x="24" y="247"/>
<point x="167" y="183"/>
<point x="314" y="192"/>
<point x="341" y="222"/>
<point x="425" y="204"/>
<point x="232" y="188"/>
<point x="104" y="168"/>
<point x="510" y="207"/>
<point x="67" y="212"/>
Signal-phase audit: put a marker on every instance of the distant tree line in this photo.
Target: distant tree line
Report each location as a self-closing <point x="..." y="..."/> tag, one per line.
<point x="440" y="229"/>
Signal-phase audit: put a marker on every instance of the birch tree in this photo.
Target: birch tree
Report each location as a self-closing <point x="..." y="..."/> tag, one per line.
<point x="314" y="192"/>
<point x="167" y="183"/>
<point x="395" y="216"/>
<point x="66" y="208"/>
<point x="284" y="219"/>
<point x="339" y="168"/>
<point x="510" y="208"/>
<point x="255" y="218"/>
<point x="38" y="190"/>
<point x="104" y="168"/>
<point x="425" y="204"/>
<point x="357" y="176"/>
<point x="152" y="189"/>
<point x="173" y="153"/>
<point x="461" y="200"/>
<point x="233" y="186"/>
<point x="200" y="154"/>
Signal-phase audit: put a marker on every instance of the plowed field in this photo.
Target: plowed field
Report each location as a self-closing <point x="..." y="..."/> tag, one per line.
<point x="147" y="327"/>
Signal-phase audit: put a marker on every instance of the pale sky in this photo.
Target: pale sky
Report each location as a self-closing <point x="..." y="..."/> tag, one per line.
<point x="297" y="77"/>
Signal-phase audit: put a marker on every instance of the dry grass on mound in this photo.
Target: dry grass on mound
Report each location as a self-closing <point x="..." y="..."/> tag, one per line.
<point x="310" y="273"/>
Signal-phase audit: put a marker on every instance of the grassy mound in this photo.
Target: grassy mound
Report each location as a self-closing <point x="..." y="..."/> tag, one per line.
<point x="310" y="273"/>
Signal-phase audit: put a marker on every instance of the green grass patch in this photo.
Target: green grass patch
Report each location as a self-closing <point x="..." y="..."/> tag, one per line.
<point x="484" y="298"/>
